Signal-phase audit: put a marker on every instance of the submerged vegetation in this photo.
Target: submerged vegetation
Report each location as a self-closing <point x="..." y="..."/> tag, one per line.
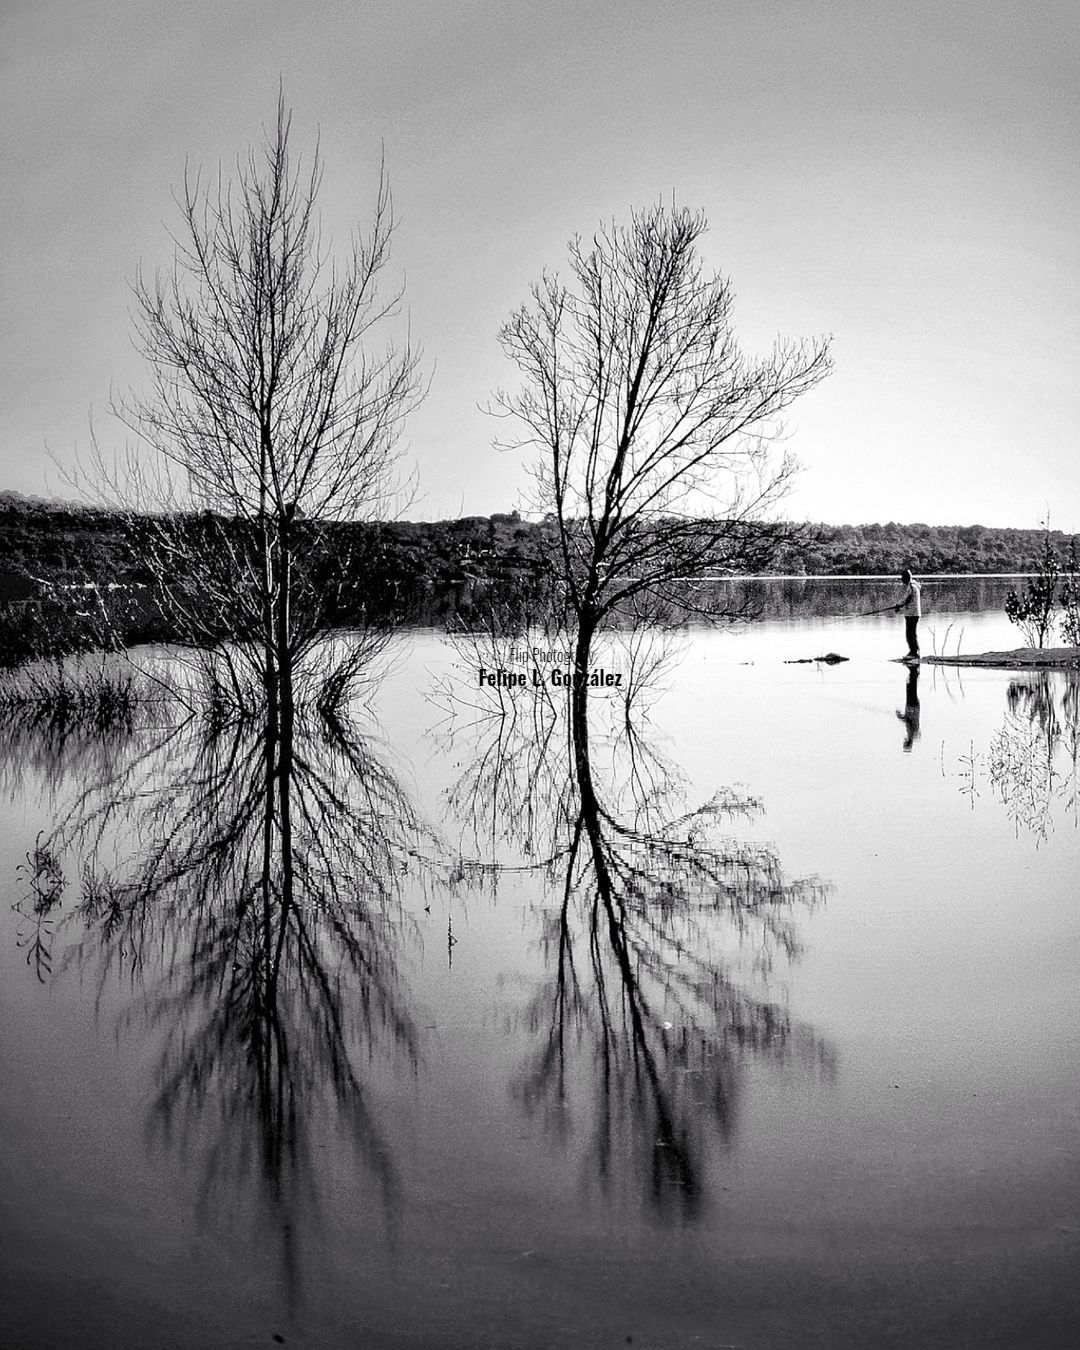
<point x="269" y="415"/>
<point x="246" y="885"/>
<point x="240" y="867"/>
<point x="242" y="860"/>
<point x="95" y="694"/>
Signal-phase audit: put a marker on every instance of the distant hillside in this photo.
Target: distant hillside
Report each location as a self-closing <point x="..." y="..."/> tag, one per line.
<point x="63" y="542"/>
<point x="861" y="550"/>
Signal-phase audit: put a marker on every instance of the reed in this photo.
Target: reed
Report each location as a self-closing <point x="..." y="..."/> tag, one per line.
<point x="61" y="692"/>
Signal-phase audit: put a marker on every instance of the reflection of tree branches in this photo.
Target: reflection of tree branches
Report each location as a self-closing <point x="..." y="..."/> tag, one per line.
<point x="656" y="907"/>
<point x="1034" y="755"/>
<point x="512" y="793"/>
<point x="256" y="906"/>
<point x="45" y="883"/>
<point x="640" y="985"/>
<point x="516" y="792"/>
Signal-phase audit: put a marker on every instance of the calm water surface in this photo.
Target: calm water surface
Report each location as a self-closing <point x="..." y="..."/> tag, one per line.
<point x="825" y="1094"/>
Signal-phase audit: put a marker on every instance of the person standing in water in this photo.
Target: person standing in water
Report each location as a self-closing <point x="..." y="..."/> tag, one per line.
<point x="911" y="604"/>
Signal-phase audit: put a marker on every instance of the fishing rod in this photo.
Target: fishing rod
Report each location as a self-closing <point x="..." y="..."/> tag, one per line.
<point x="863" y="613"/>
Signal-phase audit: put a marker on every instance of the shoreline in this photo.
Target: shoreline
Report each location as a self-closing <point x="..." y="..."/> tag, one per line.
<point x="1021" y="658"/>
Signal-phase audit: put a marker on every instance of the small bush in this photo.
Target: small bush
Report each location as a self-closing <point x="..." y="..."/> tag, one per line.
<point x="1033" y="611"/>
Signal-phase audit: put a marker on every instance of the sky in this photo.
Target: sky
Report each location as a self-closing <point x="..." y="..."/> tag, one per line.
<point x="901" y="174"/>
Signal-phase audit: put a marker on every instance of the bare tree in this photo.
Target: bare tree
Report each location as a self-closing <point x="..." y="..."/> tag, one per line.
<point x="268" y="409"/>
<point x="653" y="428"/>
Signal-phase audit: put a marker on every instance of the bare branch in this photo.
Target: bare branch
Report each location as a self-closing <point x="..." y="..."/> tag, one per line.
<point x="653" y="428"/>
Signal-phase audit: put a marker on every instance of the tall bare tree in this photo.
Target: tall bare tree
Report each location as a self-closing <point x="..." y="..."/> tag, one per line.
<point x="654" y="430"/>
<point x="268" y="406"/>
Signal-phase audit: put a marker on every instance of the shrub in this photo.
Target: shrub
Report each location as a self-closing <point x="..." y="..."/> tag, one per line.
<point x="1033" y="611"/>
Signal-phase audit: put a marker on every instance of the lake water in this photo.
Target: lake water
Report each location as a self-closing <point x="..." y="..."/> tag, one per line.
<point x="807" y="1072"/>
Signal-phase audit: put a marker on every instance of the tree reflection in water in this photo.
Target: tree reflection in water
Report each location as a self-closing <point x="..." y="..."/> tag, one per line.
<point x="244" y="877"/>
<point x="650" y="913"/>
<point x="1034" y="755"/>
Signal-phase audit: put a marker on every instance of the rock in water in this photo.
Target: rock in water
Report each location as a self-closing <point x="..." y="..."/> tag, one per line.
<point x="830" y="659"/>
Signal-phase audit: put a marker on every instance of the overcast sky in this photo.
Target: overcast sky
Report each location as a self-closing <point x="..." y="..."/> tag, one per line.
<point x="902" y="174"/>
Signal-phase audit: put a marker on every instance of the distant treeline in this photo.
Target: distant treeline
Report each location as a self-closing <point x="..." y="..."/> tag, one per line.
<point x="59" y="541"/>
<point x="404" y="571"/>
<point x="64" y="543"/>
<point x="866" y="550"/>
<point x="74" y="576"/>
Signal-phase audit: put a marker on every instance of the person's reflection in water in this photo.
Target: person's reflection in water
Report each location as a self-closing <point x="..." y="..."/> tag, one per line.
<point x="911" y="713"/>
